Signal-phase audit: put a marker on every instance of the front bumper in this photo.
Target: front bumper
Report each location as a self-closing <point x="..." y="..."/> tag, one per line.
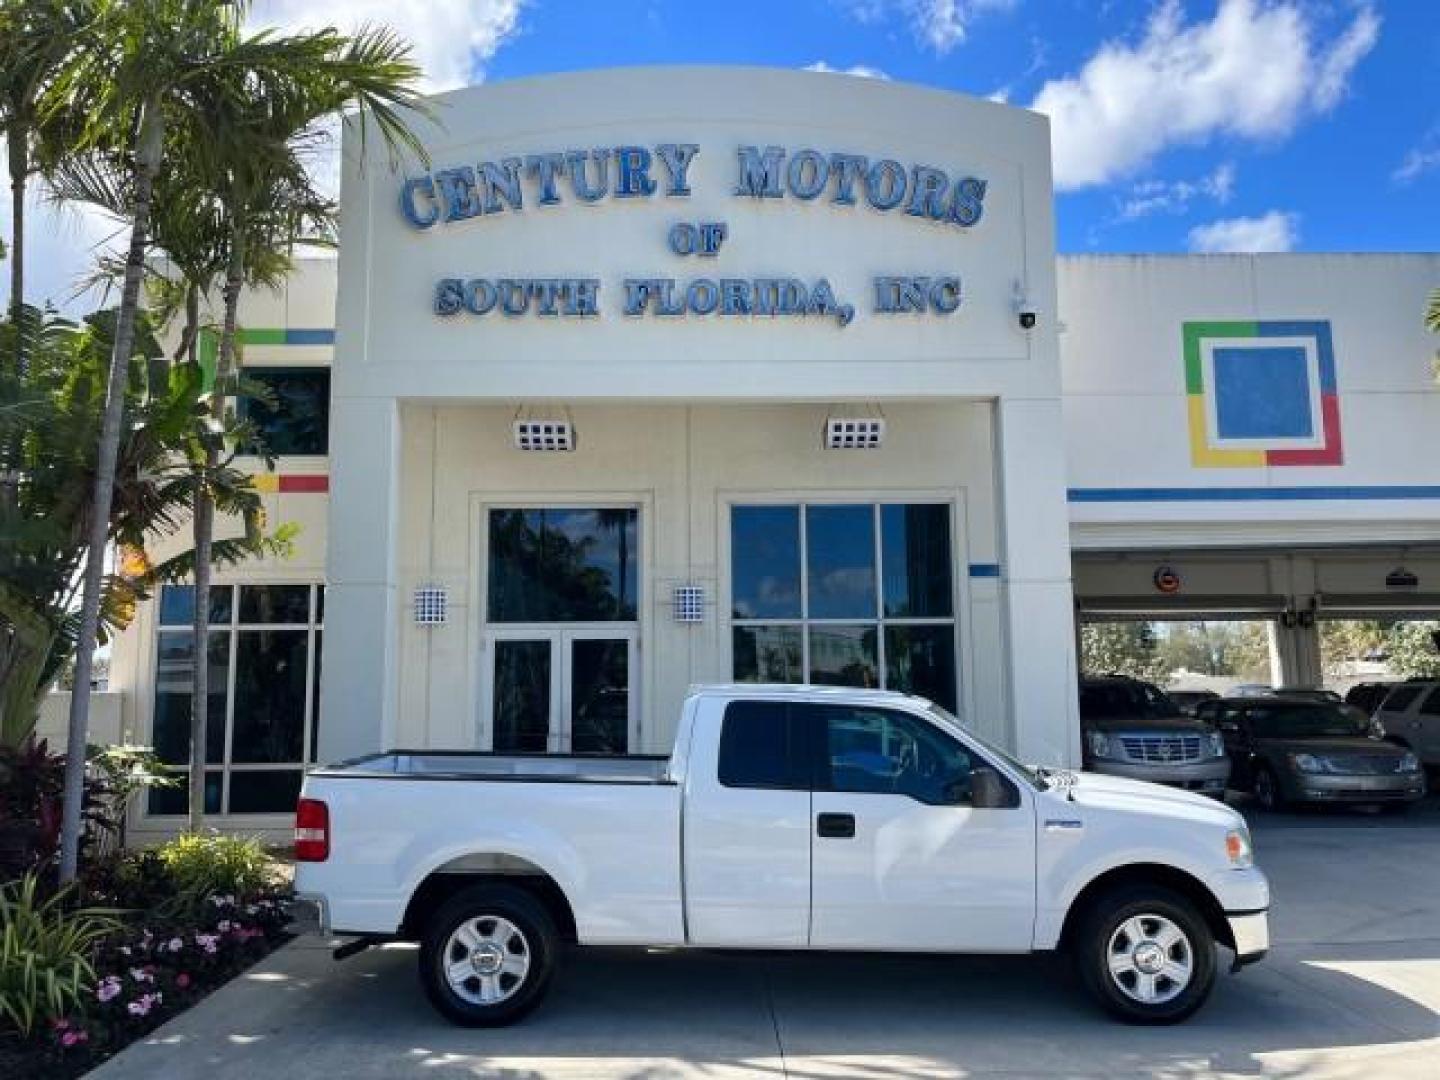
<point x="309" y="914"/>
<point x="1251" y="931"/>
<point x="1207" y="777"/>
<point x="1332" y="788"/>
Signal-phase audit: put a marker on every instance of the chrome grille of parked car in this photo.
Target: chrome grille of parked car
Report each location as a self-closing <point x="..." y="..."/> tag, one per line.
<point x="1365" y="764"/>
<point x="1163" y="749"/>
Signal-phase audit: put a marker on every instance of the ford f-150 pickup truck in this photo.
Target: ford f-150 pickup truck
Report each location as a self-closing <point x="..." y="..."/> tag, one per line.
<point x="786" y="818"/>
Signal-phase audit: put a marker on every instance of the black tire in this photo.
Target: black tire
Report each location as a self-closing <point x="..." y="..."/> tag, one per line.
<point x="1101" y="934"/>
<point x="1265" y="786"/>
<point x="487" y="908"/>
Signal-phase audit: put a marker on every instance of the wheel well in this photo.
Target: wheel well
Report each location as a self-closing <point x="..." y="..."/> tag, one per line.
<point x="1142" y="874"/>
<point x="444" y="883"/>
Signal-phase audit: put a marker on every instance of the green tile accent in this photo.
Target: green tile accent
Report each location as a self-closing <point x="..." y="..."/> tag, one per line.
<point x="1192" y="332"/>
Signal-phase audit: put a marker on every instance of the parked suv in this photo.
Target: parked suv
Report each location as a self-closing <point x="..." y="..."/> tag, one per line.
<point x="1295" y="749"/>
<point x="1410" y="717"/>
<point x="1129" y="727"/>
<point x="1368" y="695"/>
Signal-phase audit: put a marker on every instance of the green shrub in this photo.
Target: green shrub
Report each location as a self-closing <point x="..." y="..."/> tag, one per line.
<point x="44" y="954"/>
<point x="202" y="866"/>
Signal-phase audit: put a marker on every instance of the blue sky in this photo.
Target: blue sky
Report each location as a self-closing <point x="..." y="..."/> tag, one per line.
<point x="1320" y="166"/>
<point x="1178" y="125"/>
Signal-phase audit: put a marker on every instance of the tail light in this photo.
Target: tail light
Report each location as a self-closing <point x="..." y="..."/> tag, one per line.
<point x="312" y="831"/>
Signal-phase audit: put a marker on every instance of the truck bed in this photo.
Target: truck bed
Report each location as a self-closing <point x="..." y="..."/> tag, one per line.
<point x="480" y="765"/>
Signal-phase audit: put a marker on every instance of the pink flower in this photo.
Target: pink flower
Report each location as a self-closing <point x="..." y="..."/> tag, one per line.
<point x="108" y="989"/>
<point x="60" y="1024"/>
<point x="175" y="944"/>
<point x="224" y="926"/>
<point x="144" y="1003"/>
<point x="142" y="975"/>
<point x="207" y="942"/>
<point x="71" y="1038"/>
<point x="182" y="980"/>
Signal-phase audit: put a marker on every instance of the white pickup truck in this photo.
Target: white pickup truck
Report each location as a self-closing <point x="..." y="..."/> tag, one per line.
<point x="786" y="818"/>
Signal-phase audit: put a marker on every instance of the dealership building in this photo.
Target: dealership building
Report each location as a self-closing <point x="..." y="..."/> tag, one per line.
<point x="648" y="378"/>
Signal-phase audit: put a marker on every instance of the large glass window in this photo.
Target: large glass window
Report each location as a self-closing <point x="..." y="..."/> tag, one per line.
<point x="294" y="417"/>
<point x="845" y="595"/>
<point x="563" y="565"/>
<point x="263" y="651"/>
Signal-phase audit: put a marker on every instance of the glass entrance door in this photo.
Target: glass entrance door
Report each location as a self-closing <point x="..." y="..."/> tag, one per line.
<point x="561" y="629"/>
<point x="562" y="690"/>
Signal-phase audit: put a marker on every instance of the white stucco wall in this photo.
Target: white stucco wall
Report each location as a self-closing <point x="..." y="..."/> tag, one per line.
<point x="995" y="386"/>
<point x="1125" y="388"/>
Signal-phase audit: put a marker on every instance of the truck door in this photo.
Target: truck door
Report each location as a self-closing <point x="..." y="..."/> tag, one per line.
<point x="900" y="860"/>
<point x="747" y="826"/>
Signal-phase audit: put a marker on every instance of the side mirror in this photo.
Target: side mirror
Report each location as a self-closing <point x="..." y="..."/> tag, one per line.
<point x="988" y="790"/>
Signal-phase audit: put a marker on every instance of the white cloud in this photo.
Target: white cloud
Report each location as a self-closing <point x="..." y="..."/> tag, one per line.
<point x="940" y="24"/>
<point x="1273" y="231"/>
<point x="1254" y="71"/>
<point x="863" y="71"/>
<point x="1176" y="196"/>
<point x="452" y="40"/>
<point x="1420" y="158"/>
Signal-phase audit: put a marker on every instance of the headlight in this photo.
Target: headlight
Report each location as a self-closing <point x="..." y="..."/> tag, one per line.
<point x="1238" y="849"/>
<point x="1099" y="744"/>
<point x="1310" y="763"/>
<point x="1408" y="763"/>
<point x="1217" y="744"/>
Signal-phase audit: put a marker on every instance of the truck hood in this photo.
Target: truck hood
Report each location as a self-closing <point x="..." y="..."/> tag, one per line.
<point x="1139" y="797"/>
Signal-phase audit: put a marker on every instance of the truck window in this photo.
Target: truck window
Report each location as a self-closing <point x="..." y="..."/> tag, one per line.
<point x="878" y="751"/>
<point x="762" y="746"/>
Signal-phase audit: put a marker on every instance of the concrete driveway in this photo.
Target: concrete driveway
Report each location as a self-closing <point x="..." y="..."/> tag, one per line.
<point x="1352" y="989"/>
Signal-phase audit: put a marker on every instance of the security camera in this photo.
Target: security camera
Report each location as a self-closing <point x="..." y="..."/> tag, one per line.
<point x="1024" y="310"/>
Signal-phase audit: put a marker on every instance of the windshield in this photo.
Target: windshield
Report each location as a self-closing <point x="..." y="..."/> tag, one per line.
<point x="1307" y="722"/>
<point x="947" y="719"/>
<point x="1124" y="699"/>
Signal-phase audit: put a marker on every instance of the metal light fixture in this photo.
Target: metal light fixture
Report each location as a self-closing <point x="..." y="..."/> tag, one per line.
<point x="857" y="432"/>
<point x="543" y="432"/>
<point x="432" y="606"/>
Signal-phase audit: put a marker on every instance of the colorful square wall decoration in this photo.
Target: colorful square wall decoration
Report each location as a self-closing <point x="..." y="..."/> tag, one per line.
<point x="1261" y="394"/>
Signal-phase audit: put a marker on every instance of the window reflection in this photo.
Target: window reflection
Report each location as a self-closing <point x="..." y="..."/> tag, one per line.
<point x="563" y="565"/>
<point x="840" y="547"/>
<point x="765" y="562"/>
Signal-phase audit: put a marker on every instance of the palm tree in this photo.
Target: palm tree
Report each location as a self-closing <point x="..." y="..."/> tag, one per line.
<point x="141" y="68"/>
<point x="267" y="203"/>
<point x="44" y="539"/>
<point x="1432" y="313"/>
<point x="36" y="38"/>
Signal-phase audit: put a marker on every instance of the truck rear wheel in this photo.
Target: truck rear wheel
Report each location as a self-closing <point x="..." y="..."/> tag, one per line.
<point x="1146" y="955"/>
<point x="488" y="955"/>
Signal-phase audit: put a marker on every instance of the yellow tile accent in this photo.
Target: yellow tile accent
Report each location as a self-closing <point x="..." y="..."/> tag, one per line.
<point x="268" y="483"/>
<point x="1204" y="456"/>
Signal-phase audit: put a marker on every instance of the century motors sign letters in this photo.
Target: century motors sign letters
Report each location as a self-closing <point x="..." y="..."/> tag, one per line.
<point x="450" y="196"/>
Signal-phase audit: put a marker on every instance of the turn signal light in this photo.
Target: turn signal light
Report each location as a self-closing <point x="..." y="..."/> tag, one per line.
<point x="312" y="831"/>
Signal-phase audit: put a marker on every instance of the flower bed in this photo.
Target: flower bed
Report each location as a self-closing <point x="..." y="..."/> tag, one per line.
<point x="160" y="959"/>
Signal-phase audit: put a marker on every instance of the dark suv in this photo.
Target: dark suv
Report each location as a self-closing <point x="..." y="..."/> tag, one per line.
<point x="1129" y="727"/>
<point x="1289" y="750"/>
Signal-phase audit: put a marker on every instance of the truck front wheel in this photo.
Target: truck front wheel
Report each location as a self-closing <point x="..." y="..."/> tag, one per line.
<point x="488" y="955"/>
<point x="1146" y="955"/>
